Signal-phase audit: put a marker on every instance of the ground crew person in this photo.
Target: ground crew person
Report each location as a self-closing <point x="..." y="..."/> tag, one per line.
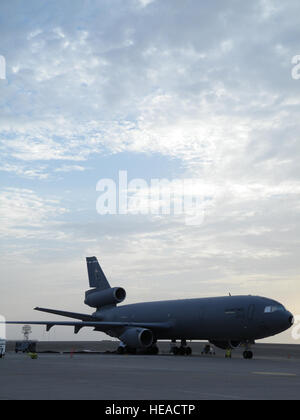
<point x="33" y="355"/>
<point x="228" y="353"/>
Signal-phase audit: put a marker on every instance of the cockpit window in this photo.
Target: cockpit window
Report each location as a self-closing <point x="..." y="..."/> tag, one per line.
<point x="274" y="308"/>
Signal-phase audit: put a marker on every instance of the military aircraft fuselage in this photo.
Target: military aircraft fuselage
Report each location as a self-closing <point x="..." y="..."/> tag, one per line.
<point x="217" y="318"/>
<point x="225" y="321"/>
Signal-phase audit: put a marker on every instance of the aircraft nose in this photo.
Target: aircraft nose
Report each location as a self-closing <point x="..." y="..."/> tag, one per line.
<point x="285" y="320"/>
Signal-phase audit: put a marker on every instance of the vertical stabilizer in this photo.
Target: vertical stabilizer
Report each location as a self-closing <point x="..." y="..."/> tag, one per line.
<point x="97" y="278"/>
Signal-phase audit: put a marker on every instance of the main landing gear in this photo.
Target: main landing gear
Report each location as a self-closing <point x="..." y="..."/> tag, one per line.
<point x="183" y="350"/>
<point x="123" y="349"/>
<point x="248" y="354"/>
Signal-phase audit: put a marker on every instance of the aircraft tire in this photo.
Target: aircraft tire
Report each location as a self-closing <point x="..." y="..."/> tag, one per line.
<point x="188" y="351"/>
<point x="154" y="350"/>
<point x="176" y="351"/>
<point x="248" y="354"/>
<point x="182" y="351"/>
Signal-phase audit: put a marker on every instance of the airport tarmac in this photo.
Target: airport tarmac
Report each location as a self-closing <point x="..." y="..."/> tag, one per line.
<point x="142" y="377"/>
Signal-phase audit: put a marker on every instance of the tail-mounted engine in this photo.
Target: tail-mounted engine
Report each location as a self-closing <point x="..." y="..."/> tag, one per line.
<point x="96" y="298"/>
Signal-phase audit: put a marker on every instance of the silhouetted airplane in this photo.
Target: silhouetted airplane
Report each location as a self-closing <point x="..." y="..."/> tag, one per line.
<point x="226" y="322"/>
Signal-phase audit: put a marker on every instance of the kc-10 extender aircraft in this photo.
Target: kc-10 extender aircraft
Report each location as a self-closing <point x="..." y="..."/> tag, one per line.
<point x="226" y="322"/>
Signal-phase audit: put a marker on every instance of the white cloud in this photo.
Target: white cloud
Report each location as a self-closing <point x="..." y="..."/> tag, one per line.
<point x="24" y="214"/>
<point x="207" y="84"/>
<point x="27" y="172"/>
<point x="145" y="3"/>
<point x="70" y="168"/>
<point x="270" y="8"/>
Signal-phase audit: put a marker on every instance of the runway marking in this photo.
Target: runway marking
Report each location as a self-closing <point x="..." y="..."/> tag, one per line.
<point x="275" y="374"/>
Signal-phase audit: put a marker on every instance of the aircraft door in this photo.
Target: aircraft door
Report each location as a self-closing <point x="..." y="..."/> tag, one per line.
<point x="250" y="315"/>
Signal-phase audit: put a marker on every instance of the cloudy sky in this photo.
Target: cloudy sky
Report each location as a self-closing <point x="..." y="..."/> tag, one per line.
<point x="162" y="89"/>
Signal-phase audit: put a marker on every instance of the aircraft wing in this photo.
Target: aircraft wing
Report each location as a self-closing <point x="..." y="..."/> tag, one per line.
<point x="74" y="315"/>
<point x="91" y="321"/>
<point x="98" y="325"/>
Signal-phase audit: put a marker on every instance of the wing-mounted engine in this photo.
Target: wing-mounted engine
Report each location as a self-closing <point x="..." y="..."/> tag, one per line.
<point x="96" y="298"/>
<point x="137" y="337"/>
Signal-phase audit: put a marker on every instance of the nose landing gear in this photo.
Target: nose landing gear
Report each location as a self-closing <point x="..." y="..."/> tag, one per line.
<point x="248" y="354"/>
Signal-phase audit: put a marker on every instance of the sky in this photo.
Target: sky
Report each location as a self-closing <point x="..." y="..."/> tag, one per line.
<point x="161" y="89"/>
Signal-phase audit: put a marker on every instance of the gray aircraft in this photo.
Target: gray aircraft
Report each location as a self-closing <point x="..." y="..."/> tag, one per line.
<point x="226" y="322"/>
